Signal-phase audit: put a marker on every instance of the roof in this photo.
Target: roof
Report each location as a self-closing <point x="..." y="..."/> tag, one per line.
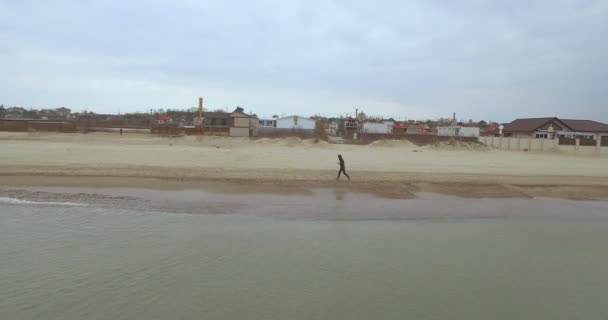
<point x="493" y="128"/>
<point x="164" y="118"/>
<point x="244" y="115"/>
<point x="240" y="111"/>
<point x="585" y="125"/>
<point x="527" y="125"/>
<point x="378" y="121"/>
<point x="294" y="116"/>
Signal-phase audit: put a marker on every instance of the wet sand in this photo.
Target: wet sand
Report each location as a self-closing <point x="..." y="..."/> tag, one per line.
<point x="401" y="187"/>
<point x="318" y="203"/>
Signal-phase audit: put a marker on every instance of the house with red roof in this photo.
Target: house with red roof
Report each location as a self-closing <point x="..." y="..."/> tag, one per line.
<point x="491" y="130"/>
<point x="164" y="120"/>
<point x="411" y="127"/>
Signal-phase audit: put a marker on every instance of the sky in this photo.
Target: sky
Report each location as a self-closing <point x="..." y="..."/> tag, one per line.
<point x="490" y="60"/>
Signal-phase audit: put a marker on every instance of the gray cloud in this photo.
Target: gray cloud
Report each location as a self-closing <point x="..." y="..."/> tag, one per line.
<point x="482" y="59"/>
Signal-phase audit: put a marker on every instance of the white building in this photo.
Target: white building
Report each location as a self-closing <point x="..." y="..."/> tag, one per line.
<point x="381" y="127"/>
<point x="295" y="122"/>
<point x="267" y="123"/>
<point x="457" y="131"/>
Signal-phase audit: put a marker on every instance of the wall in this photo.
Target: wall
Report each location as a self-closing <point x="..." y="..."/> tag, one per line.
<point x="239" y="132"/>
<point x="457" y="131"/>
<point x="377" y="127"/>
<point x="253" y="125"/>
<point x="37" y="125"/>
<point x="190" y="131"/>
<point x="417" y="139"/>
<point x="522" y="135"/>
<point x="537" y="145"/>
<point x="303" y="123"/>
<point x="278" y="132"/>
<point x="241" y="122"/>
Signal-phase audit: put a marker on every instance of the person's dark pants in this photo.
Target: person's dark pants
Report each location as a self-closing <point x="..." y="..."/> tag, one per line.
<point x="342" y="170"/>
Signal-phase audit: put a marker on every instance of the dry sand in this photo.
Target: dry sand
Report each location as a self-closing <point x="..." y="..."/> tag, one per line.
<point x="390" y="168"/>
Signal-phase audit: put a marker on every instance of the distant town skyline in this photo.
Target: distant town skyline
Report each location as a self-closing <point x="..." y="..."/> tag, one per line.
<point x="422" y="59"/>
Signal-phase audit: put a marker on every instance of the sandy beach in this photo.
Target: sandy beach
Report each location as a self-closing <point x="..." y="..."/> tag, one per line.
<point x="389" y="168"/>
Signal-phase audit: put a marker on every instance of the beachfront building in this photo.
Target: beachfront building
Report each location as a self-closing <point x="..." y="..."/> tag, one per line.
<point x="164" y="120"/>
<point x="268" y="123"/>
<point x="63" y="112"/>
<point x="217" y="119"/>
<point x="14" y="113"/>
<point x="551" y="128"/>
<point x="458" y="131"/>
<point x="491" y="130"/>
<point x="287" y="126"/>
<point x="333" y="127"/>
<point x="411" y="127"/>
<point x="296" y="123"/>
<point x="343" y="127"/>
<point x="243" y="125"/>
<point x="378" y="126"/>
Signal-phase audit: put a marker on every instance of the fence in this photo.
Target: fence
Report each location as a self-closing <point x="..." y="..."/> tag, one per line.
<point x="279" y="132"/>
<point x="540" y="145"/>
<point x="36" y="125"/>
<point x="208" y="131"/>
<point x="417" y="139"/>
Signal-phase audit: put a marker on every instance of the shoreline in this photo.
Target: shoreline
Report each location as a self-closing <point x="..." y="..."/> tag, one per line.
<point x="281" y="202"/>
<point x="382" y="185"/>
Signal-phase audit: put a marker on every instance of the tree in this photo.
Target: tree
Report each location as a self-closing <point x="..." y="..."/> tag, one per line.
<point x="362" y="116"/>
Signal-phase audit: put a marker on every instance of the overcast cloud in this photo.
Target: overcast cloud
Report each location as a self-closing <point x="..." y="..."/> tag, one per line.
<point x="492" y="60"/>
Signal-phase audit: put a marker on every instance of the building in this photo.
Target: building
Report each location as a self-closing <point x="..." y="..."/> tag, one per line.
<point x="333" y="127"/>
<point x="378" y="126"/>
<point x="217" y="119"/>
<point x="491" y="130"/>
<point x="296" y="122"/>
<point x="63" y="112"/>
<point x="458" y="131"/>
<point x="268" y="123"/>
<point x="411" y="127"/>
<point x="551" y="128"/>
<point x="243" y="125"/>
<point x="400" y="127"/>
<point x="344" y="127"/>
<point x="14" y="113"/>
<point x="164" y="120"/>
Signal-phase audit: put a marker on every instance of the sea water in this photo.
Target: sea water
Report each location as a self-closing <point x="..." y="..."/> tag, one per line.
<point x="85" y="262"/>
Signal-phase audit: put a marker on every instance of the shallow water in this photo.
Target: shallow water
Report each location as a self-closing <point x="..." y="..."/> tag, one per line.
<point x="445" y="258"/>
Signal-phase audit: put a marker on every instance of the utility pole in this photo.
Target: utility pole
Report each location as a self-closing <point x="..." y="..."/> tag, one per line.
<point x="200" y="113"/>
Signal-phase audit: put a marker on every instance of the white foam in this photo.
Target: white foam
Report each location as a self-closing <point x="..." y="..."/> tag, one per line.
<point x="14" y="201"/>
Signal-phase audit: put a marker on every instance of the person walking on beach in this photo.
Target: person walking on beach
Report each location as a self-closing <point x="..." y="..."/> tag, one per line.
<point x="342" y="168"/>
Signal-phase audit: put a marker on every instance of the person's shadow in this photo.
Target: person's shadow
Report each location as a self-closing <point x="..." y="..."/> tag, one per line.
<point x="339" y="194"/>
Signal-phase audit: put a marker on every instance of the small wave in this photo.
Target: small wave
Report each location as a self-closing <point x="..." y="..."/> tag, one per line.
<point x="14" y="201"/>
